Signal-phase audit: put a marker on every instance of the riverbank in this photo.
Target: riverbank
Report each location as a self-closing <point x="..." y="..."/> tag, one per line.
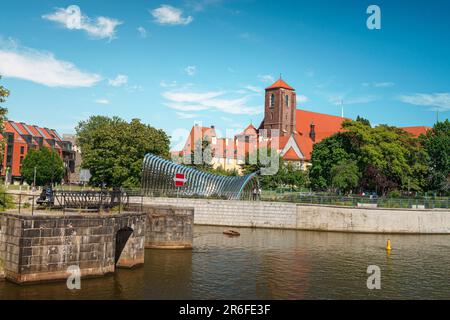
<point x="279" y="215"/>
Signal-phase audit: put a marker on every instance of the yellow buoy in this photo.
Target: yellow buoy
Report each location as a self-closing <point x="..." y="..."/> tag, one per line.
<point x="388" y="245"/>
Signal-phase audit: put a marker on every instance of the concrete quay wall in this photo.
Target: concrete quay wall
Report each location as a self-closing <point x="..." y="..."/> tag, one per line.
<point x="262" y="214"/>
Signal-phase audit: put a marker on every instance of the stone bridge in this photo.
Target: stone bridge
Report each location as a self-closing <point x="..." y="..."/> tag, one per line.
<point x="42" y="247"/>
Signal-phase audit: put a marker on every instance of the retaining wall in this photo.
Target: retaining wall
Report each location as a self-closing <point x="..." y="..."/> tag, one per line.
<point x="264" y="214"/>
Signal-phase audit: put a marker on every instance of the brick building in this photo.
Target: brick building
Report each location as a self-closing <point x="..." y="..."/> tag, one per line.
<point x="19" y="138"/>
<point x="296" y="132"/>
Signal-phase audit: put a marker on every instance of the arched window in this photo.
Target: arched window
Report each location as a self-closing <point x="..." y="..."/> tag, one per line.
<point x="272" y="100"/>
<point x="286" y="97"/>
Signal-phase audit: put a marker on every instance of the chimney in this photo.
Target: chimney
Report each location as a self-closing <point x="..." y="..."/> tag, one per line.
<point x="312" y="131"/>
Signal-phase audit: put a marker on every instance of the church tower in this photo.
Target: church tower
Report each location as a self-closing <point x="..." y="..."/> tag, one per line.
<point x="280" y="108"/>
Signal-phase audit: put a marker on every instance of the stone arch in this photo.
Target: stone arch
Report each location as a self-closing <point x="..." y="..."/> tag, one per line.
<point x="122" y="236"/>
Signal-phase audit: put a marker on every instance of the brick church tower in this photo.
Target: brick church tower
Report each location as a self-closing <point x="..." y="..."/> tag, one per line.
<point x="280" y="108"/>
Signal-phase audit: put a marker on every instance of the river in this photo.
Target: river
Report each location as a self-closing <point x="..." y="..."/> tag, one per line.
<point x="272" y="264"/>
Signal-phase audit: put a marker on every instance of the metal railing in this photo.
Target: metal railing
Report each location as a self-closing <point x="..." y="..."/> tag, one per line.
<point x="62" y="201"/>
<point x="313" y="198"/>
<point x="355" y="201"/>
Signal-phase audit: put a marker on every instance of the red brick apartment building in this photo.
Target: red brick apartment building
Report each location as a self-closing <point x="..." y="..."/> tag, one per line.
<point x="19" y="138"/>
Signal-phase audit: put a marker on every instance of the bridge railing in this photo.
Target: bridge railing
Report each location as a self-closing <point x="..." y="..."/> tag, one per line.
<point x="63" y="200"/>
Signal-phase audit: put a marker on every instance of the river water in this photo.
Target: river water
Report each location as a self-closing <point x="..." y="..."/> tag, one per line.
<point x="272" y="264"/>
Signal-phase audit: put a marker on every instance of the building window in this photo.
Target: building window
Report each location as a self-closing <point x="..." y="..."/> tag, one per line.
<point x="272" y="100"/>
<point x="286" y="97"/>
<point x="22" y="150"/>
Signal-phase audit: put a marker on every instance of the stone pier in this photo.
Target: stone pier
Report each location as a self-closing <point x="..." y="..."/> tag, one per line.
<point x="42" y="247"/>
<point x="169" y="227"/>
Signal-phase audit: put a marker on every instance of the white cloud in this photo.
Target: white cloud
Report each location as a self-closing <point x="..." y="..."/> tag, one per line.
<point x="72" y="18"/>
<point x="440" y="101"/>
<point x="42" y="67"/>
<point x="166" y="14"/>
<point x="142" y="32"/>
<point x="102" y="101"/>
<point x="166" y="84"/>
<point x="183" y="115"/>
<point x="378" y="84"/>
<point x="134" y="88"/>
<point x="266" y="78"/>
<point x="301" y="98"/>
<point x="196" y="101"/>
<point x="190" y="70"/>
<point x="254" y="89"/>
<point x="118" y="81"/>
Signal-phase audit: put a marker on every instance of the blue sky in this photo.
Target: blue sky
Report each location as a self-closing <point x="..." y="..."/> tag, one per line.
<point x="173" y="63"/>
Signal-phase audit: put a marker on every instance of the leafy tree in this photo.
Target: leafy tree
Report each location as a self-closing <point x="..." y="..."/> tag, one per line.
<point x="345" y="175"/>
<point x="325" y="155"/>
<point x="286" y="176"/>
<point x="387" y="157"/>
<point x="4" y="93"/>
<point x="363" y="121"/>
<point x="437" y="144"/>
<point x="113" y="149"/>
<point x="48" y="164"/>
<point x="201" y="156"/>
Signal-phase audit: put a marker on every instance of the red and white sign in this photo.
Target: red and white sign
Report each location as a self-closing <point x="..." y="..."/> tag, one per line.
<point x="179" y="179"/>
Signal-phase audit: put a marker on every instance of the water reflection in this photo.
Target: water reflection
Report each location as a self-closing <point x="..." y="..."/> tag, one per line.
<point x="272" y="264"/>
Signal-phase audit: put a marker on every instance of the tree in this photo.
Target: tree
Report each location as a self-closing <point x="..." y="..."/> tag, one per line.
<point x="286" y="176"/>
<point x="345" y="175"/>
<point x="113" y="149"/>
<point x="363" y="121"/>
<point x="48" y="164"/>
<point x="437" y="144"/>
<point x="325" y="155"/>
<point x="4" y="93"/>
<point x="387" y="157"/>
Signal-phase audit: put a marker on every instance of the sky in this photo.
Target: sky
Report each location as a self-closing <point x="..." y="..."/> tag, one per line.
<point x="176" y="63"/>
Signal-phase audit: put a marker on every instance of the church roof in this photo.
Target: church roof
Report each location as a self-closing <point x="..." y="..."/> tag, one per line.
<point x="416" y="131"/>
<point x="280" y="84"/>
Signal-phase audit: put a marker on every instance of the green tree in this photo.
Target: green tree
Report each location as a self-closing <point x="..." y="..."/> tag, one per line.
<point x="437" y="144"/>
<point x="113" y="149"/>
<point x="387" y="157"/>
<point x="287" y="174"/>
<point x="345" y="176"/>
<point x="4" y="93"/>
<point x="48" y="164"/>
<point x="363" y="121"/>
<point x="325" y="155"/>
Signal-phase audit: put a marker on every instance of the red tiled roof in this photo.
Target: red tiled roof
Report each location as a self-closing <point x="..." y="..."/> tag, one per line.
<point x="280" y="84"/>
<point x="324" y="126"/>
<point x="290" y="155"/>
<point x="250" y="130"/>
<point x="416" y="131"/>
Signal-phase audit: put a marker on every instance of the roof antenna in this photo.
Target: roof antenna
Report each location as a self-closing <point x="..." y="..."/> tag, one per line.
<point x="342" y="108"/>
<point x="280" y="76"/>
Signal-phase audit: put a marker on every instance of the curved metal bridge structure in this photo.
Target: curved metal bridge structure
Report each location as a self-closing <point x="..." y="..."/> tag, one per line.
<point x="158" y="178"/>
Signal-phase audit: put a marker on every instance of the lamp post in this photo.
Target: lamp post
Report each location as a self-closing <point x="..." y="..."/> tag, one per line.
<point x="34" y="177"/>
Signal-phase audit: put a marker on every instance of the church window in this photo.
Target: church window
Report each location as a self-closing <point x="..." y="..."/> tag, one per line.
<point x="272" y="100"/>
<point x="287" y="100"/>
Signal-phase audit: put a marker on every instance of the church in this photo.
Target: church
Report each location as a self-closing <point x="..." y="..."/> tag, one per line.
<point x="290" y="131"/>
